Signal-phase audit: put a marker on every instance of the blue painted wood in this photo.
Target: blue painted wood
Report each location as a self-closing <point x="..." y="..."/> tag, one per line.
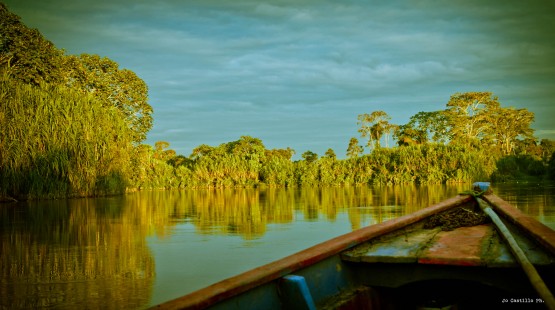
<point x="262" y="297"/>
<point x="295" y="294"/>
<point x="327" y="278"/>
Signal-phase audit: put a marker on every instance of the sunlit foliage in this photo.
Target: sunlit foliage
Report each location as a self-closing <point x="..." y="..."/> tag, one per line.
<point x="354" y="149"/>
<point x="68" y="124"/>
<point x="221" y="167"/>
<point x="72" y="126"/>
<point x="373" y="126"/>
<point x="25" y="54"/>
<point x="113" y="86"/>
<point x="424" y="127"/>
<point x="55" y="142"/>
<point x="474" y="138"/>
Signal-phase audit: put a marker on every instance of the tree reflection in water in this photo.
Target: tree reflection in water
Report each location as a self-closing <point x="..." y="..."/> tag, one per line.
<point x="247" y="211"/>
<point x="93" y="253"/>
<point x="75" y="253"/>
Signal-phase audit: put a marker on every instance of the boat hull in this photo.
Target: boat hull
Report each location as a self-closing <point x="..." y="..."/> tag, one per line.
<point x="345" y="273"/>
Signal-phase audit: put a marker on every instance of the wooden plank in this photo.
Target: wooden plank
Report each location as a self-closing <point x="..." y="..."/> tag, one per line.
<point x="401" y="248"/>
<point x="536" y="230"/>
<point x="462" y="247"/>
<point x="531" y="272"/>
<point x="499" y="254"/>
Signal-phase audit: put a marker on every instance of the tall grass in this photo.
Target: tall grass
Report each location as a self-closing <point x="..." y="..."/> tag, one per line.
<point x="56" y="142"/>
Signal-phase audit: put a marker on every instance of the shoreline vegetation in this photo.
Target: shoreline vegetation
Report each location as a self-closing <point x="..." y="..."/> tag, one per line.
<point x="73" y="126"/>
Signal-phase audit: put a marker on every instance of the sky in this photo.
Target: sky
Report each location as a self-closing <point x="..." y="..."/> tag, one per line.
<point x="297" y="73"/>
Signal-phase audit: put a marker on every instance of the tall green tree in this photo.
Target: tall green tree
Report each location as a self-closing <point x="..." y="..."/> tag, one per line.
<point x="373" y="126"/>
<point x="248" y="147"/>
<point x="506" y="125"/>
<point x="354" y="149"/>
<point x="365" y="130"/>
<point x="468" y="115"/>
<point x="330" y="154"/>
<point x="121" y="88"/>
<point x="425" y="126"/>
<point x="201" y="151"/>
<point x="25" y="54"/>
<point x="309" y="156"/>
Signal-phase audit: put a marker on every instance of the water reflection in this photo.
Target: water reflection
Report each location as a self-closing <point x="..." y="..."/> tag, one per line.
<point x="76" y="253"/>
<point x="247" y="212"/>
<point x="93" y="253"/>
<point x="534" y="199"/>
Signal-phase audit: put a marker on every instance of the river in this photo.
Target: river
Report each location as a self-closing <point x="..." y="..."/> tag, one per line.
<point x="143" y="248"/>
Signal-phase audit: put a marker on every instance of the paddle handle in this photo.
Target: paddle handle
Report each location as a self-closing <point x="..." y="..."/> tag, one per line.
<point x="527" y="266"/>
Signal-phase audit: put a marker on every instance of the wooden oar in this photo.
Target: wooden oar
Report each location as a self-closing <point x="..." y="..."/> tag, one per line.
<point x="529" y="269"/>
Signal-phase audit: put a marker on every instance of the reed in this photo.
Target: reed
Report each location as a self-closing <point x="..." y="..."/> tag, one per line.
<point x="56" y="142"/>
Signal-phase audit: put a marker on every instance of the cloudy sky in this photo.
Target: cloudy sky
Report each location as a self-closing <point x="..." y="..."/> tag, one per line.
<point x="296" y="73"/>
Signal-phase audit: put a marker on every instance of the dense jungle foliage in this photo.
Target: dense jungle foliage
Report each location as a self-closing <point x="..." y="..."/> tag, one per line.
<point x="72" y="126"/>
<point x="246" y="163"/>
<point x="56" y="142"/>
<point x="68" y="124"/>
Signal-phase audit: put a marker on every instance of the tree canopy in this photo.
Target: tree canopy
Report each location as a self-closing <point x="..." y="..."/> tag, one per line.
<point x="354" y="149"/>
<point x="69" y="125"/>
<point x="117" y="87"/>
<point x="469" y="119"/>
<point x="26" y="56"/>
<point x="423" y="127"/>
<point x="373" y="126"/>
<point x="469" y="114"/>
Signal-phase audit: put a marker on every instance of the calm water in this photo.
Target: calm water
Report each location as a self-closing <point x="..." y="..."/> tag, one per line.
<point x="144" y="248"/>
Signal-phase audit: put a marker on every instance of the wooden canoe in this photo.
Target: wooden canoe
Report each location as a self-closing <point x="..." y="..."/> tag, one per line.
<point x="400" y="264"/>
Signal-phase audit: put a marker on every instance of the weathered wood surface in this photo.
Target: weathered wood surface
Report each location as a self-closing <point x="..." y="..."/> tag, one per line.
<point x="478" y="245"/>
<point x="536" y="230"/>
<point x="463" y="246"/>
